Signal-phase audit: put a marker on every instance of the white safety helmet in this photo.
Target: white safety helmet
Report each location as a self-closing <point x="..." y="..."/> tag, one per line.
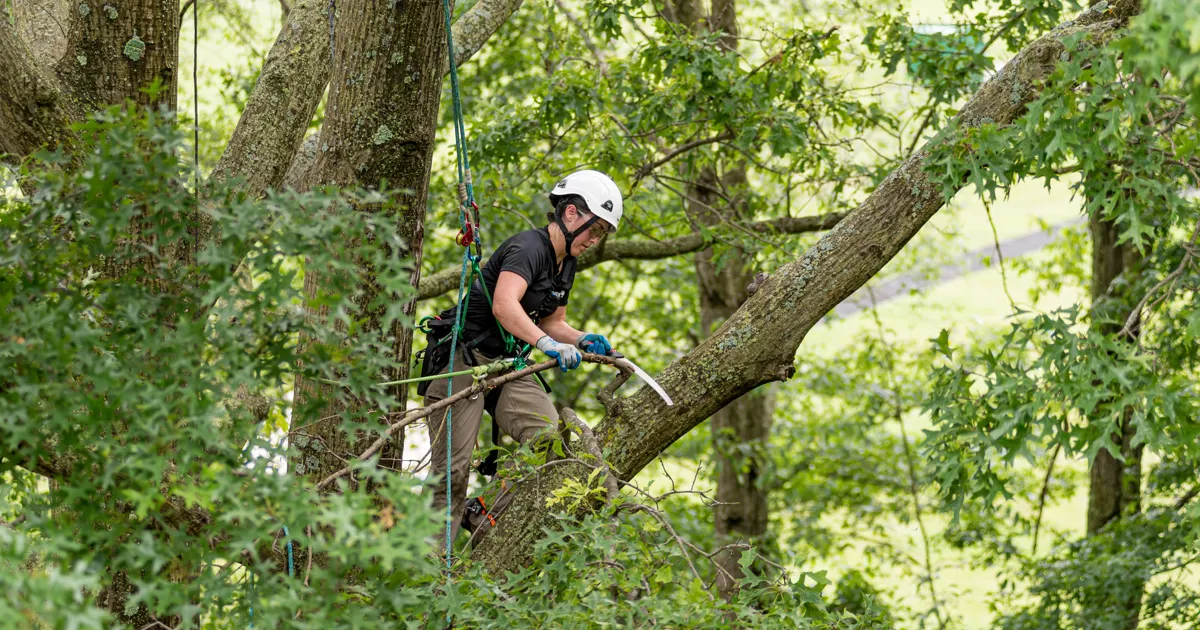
<point x="598" y="191"/>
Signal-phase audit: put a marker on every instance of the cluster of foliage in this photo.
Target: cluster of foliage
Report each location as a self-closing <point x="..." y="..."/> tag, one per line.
<point x="1121" y="115"/>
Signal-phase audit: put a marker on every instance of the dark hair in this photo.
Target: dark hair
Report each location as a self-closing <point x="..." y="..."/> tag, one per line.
<point x="568" y="200"/>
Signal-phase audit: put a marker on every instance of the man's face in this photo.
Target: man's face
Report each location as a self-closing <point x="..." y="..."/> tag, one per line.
<point x="573" y="219"/>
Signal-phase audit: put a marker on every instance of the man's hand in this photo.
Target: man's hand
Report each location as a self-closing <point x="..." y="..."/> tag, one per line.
<point x="567" y="355"/>
<point x="597" y="344"/>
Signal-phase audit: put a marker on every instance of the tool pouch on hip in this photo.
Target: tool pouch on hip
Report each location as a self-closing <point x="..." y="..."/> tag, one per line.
<point x="436" y="355"/>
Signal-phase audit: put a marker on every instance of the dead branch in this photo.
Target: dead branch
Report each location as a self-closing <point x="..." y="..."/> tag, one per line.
<point x="593" y="448"/>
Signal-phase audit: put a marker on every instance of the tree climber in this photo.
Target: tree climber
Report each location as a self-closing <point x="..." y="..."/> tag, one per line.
<point x="528" y="280"/>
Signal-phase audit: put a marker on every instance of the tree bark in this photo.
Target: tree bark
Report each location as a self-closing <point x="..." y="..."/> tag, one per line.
<point x="366" y="141"/>
<point x="35" y="110"/>
<point x="757" y="344"/>
<point x="688" y="13"/>
<point x="263" y="149"/>
<point x="115" y="51"/>
<point x="42" y="24"/>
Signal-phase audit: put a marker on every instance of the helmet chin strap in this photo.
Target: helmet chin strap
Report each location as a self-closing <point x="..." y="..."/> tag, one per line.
<point x="569" y="237"/>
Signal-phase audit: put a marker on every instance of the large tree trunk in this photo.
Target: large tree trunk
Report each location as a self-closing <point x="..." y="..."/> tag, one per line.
<point x="115" y="51"/>
<point x="365" y="141"/>
<point x="1115" y="486"/>
<point x="34" y="108"/>
<point x="741" y="430"/>
<point x="757" y="344"/>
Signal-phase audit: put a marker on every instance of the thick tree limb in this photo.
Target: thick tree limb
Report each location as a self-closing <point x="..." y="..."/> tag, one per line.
<point x="265" y="142"/>
<point x="283" y="102"/>
<point x="476" y="26"/>
<point x="447" y="279"/>
<point x="758" y="343"/>
<point x="42" y="24"/>
<point x="34" y="109"/>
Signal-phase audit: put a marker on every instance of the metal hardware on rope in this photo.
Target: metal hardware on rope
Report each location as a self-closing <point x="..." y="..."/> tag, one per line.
<point x="466" y="234"/>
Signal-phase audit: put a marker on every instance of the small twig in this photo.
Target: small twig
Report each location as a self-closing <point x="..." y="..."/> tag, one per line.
<point x="1171" y="278"/>
<point x="601" y="63"/>
<point x="987" y="207"/>
<point x="1187" y="497"/>
<point x="913" y="486"/>
<point x="184" y="9"/>
<point x="647" y="168"/>
<point x="777" y="57"/>
<point x="308" y="569"/>
<point x="683" y="544"/>
<point x="1037" y="525"/>
<point x="606" y="396"/>
<point x="663" y="465"/>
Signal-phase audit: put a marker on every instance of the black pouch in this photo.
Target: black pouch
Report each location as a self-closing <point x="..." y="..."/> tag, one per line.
<point x="436" y="355"/>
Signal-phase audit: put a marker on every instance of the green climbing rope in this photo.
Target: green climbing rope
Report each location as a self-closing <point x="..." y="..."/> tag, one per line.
<point x="482" y="370"/>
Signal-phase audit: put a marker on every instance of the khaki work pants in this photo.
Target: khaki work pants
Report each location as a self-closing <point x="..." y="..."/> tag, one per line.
<point x="524" y="412"/>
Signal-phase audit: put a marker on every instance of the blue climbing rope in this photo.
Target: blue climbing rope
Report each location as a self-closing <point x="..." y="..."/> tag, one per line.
<point x="291" y="565"/>
<point x="466" y="199"/>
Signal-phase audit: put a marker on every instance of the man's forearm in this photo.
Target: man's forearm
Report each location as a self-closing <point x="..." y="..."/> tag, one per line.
<point x="517" y="323"/>
<point x="561" y="331"/>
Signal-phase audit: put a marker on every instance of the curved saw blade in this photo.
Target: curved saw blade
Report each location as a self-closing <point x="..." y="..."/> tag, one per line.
<point x="649" y="380"/>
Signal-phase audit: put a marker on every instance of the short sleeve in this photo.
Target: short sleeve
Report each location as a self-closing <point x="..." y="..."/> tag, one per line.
<point x="523" y="257"/>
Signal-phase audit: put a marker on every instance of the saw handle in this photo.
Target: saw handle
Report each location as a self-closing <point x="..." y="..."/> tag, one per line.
<point x="612" y="353"/>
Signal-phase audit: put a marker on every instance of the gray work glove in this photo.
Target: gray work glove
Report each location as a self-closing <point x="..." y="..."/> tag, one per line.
<point x="567" y="355"/>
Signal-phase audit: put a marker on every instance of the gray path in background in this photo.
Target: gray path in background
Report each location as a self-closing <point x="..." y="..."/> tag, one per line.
<point x="969" y="262"/>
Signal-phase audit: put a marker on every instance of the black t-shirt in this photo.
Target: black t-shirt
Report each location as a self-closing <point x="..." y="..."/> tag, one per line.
<point x="529" y="254"/>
